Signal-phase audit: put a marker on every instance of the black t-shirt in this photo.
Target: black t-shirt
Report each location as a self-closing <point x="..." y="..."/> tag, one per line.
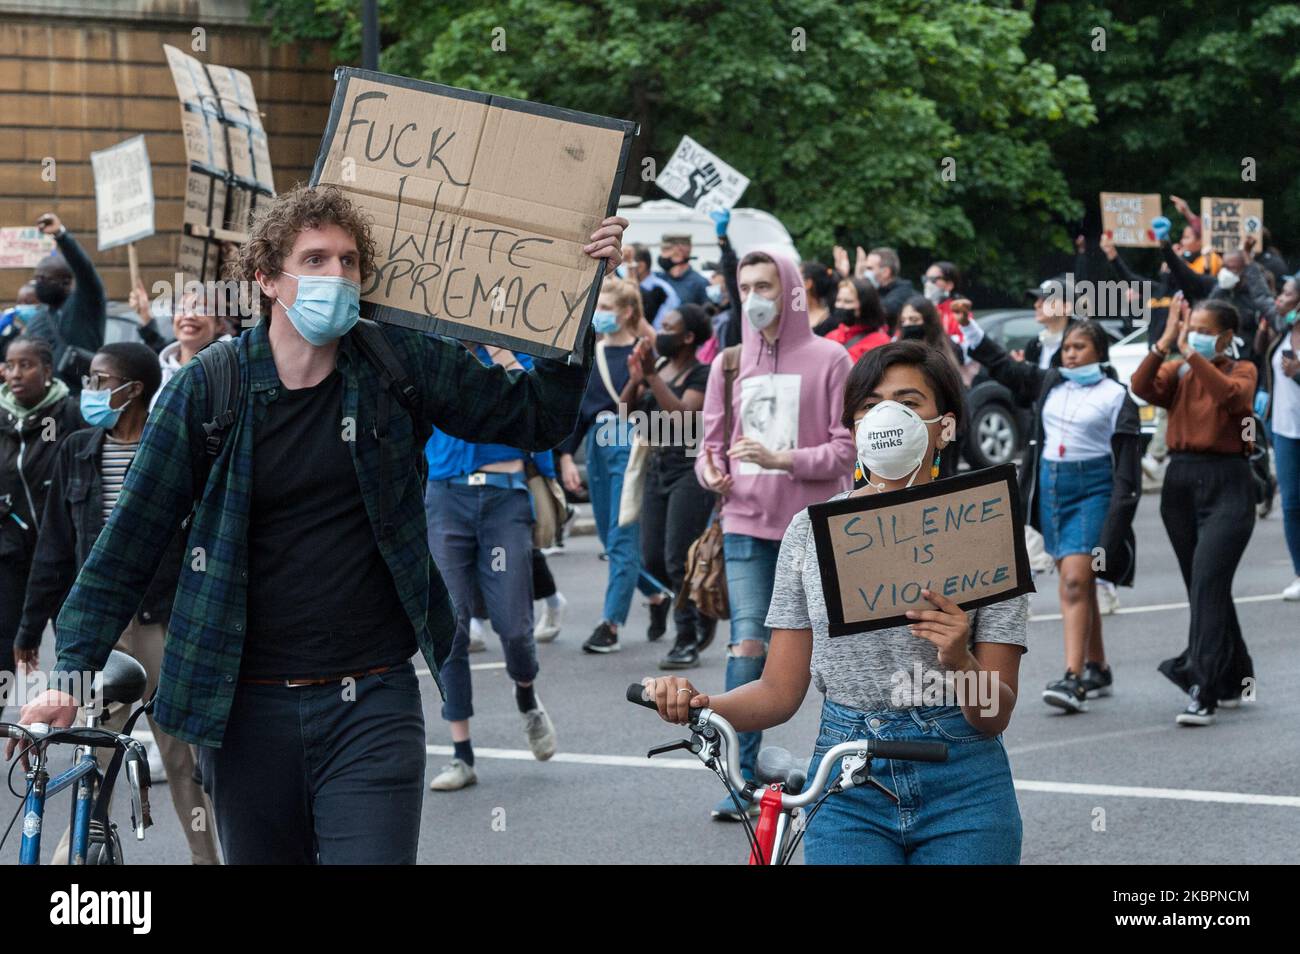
<point x="321" y="600"/>
<point x="670" y="451"/>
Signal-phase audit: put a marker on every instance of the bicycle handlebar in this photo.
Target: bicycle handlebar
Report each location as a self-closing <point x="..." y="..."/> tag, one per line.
<point x="709" y="724"/>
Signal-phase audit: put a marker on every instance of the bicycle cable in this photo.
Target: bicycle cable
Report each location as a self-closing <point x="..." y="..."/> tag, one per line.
<point x="789" y="852"/>
<point x="743" y="809"/>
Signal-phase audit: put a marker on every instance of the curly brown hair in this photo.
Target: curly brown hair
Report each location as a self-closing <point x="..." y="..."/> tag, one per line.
<point x="276" y="226"/>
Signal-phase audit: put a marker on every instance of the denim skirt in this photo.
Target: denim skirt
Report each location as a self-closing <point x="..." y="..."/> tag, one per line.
<point x="1073" y="498"/>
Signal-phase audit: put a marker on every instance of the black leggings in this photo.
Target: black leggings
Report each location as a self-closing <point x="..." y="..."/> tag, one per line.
<point x="13" y="587"/>
<point x="674" y="512"/>
<point x="1208" y="507"/>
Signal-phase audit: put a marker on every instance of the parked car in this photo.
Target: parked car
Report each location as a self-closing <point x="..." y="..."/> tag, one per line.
<point x="998" y="426"/>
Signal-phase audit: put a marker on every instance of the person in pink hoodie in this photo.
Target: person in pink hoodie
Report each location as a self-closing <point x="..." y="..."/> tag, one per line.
<point x="787" y="449"/>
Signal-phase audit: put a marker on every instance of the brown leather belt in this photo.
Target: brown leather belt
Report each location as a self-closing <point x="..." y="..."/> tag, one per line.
<point x="295" y="683"/>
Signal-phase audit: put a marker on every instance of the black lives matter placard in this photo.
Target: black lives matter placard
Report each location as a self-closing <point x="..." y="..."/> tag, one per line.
<point x="963" y="537"/>
<point x="481" y="206"/>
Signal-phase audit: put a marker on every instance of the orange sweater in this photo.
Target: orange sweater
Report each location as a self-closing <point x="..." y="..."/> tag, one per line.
<point x="1208" y="404"/>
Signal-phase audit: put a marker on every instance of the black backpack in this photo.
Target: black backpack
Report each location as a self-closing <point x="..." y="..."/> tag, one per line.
<point x="221" y="368"/>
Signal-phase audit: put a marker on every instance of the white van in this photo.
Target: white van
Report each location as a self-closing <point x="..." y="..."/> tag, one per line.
<point x="750" y="229"/>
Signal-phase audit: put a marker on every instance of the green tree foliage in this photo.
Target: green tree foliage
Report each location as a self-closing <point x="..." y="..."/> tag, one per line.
<point x="1184" y="91"/>
<point x="841" y="113"/>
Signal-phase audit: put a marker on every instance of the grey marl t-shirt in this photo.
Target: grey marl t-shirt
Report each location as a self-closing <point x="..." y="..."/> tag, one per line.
<point x="864" y="670"/>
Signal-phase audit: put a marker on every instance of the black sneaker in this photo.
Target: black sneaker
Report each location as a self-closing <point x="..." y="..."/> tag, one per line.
<point x="1096" y="681"/>
<point x="1067" y="693"/>
<point x="658" y="619"/>
<point x="705" y="628"/>
<point x="1198" y="712"/>
<point x="602" y="640"/>
<point x="683" y="655"/>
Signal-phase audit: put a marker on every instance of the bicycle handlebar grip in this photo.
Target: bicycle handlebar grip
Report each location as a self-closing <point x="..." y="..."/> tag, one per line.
<point x="636" y="695"/>
<point x="911" y="751"/>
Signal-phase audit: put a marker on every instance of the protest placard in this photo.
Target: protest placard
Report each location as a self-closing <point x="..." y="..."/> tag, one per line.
<point x="23" y="247"/>
<point x="1127" y="216"/>
<point x="481" y="206"/>
<point x="229" y="164"/>
<point x="124" y="197"/>
<point x="696" y="177"/>
<point x="1226" y="222"/>
<point x="963" y="537"/>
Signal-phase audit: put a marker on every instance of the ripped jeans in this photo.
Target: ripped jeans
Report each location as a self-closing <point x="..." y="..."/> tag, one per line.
<point x="751" y="573"/>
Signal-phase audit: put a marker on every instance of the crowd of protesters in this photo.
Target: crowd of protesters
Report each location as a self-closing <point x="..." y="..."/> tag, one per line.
<point x="777" y="374"/>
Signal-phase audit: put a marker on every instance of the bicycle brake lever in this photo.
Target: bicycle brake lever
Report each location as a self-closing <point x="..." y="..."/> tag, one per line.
<point x="875" y="783"/>
<point x="689" y="744"/>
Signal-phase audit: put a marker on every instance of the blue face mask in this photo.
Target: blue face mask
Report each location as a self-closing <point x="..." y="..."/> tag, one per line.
<point x="605" y="322"/>
<point x="325" y="308"/>
<point x="96" y="410"/>
<point x="1204" y="345"/>
<point x="27" y="312"/>
<point x="715" y="294"/>
<point x="1291" y="317"/>
<point x="621" y="271"/>
<point x="1083" y="374"/>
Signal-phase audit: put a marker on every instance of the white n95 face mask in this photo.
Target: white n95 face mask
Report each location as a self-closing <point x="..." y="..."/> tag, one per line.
<point x="760" y="311"/>
<point x="892" y="441"/>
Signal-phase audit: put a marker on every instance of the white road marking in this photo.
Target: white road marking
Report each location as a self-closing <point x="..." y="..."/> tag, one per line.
<point x="1024" y="785"/>
<point x="425" y="674"/>
<point x="1159" y="607"/>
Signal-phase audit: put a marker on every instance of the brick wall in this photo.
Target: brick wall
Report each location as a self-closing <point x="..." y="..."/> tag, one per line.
<point x="70" y="86"/>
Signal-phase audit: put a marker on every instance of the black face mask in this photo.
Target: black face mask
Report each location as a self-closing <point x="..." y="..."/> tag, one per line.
<point x="667" y="264"/>
<point x="668" y="345"/>
<point x="50" y="293"/>
<point x="844" y="316"/>
<point x="912" y="332"/>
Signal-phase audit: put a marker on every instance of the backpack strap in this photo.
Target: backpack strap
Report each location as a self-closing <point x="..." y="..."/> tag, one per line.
<point x="221" y="369"/>
<point x="730" y="365"/>
<point x="380" y="352"/>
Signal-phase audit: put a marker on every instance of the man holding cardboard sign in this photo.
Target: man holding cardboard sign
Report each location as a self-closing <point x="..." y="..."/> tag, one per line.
<point x="916" y="664"/>
<point x="309" y="584"/>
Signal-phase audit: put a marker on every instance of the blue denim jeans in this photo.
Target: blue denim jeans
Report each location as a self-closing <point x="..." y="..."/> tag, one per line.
<point x="960" y="812"/>
<point x="1286" y="456"/>
<point x="330" y="774"/>
<point x="481" y="539"/>
<point x="608" y="447"/>
<point x="751" y="573"/>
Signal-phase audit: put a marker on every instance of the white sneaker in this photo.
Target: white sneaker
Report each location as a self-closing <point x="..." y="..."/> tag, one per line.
<point x="477" y="628"/>
<point x="1292" y="592"/>
<point x="455" y="776"/>
<point x="550" y="619"/>
<point x="1107" y="598"/>
<point x="540" y="731"/>
<point x="1040" y="561"/>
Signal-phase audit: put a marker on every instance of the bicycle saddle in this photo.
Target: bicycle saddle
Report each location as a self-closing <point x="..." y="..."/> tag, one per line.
<point x="776" y="765"/>
<point x="123" y="679"/>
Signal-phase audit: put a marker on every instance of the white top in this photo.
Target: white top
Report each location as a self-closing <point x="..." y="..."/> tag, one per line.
<point x="1286" y="397"/>
<point x="1050" y="347"/>
<point x="1081" y="418"/>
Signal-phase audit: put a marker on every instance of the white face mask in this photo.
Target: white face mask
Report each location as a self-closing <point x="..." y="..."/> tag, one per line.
<point x="933" y="292"/>
<point x="760" y="311"/>
<point x="1227" y="279"/>
<point x="892" y="441"/>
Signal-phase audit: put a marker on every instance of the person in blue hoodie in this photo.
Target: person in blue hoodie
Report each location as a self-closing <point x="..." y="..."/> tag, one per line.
<point x="481" y="537"/>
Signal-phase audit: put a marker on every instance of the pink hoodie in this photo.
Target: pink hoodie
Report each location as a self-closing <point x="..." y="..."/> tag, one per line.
<point x="809" y="383"/>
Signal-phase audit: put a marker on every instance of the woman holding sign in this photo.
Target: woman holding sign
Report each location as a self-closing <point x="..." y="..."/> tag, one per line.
<point x="904" y="402"/>
<point x="1083" y="480"/>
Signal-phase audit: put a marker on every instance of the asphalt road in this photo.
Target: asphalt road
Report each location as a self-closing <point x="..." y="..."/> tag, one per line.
<point x="1166" y="795"/>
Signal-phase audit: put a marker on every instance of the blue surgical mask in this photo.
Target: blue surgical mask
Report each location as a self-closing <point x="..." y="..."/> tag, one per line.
<point x="621" y="271"/>
<point x="1204" y="345"/>
<point x="1290" y="317"/>
<point x="325" y="308"/>
<point x="1083" y="374"/>
<point x="605" y="322"/>
<point x="27" y="312"/>
<point x="96" y="410"/>
<point x="715" y="294"/>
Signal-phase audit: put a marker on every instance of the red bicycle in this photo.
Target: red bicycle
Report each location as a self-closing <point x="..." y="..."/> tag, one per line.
<point x="781" y="791"/>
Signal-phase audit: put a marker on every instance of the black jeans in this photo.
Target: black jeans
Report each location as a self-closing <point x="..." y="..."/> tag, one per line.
<point x="674" y="512"/>
<point x="330" y="774"/>
<point x="1208" y="507"/>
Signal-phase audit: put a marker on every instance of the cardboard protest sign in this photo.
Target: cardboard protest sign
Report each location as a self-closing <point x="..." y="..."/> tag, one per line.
<point x="229" y="162"/>
<point x="963" y="537"/>
<point x="1127" y="216"/>
<point x="696" y="177"/>
<point x="480" y="205"/>
<point x="123" y="193"/>
<point x="1226" y="222"/>
<point x="23" y="247"/>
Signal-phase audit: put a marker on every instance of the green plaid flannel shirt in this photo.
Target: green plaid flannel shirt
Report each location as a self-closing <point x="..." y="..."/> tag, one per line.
<point x="205" y="639"/>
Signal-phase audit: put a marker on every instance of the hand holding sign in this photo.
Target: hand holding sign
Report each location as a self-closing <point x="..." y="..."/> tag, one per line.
<point x="607" y="241"/>
<point x="948" y="627"/>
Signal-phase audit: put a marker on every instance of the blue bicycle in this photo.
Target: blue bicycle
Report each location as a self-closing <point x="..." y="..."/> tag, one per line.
<point x="94" y="839"/>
